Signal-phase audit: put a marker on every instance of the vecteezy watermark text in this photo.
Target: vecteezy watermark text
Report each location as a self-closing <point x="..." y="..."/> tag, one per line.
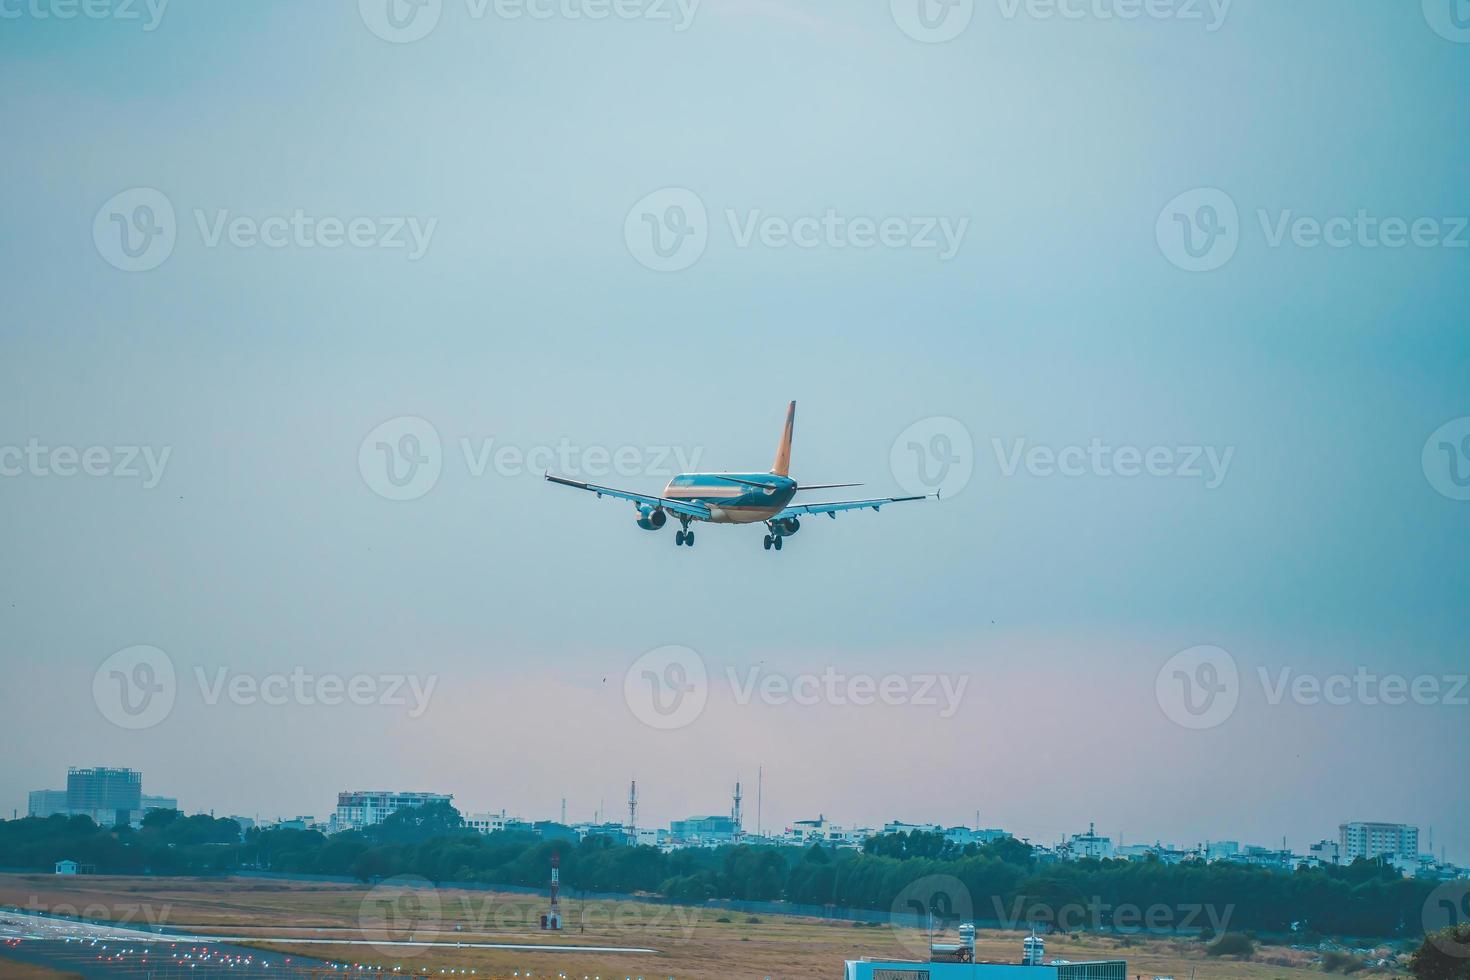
<point x="302" y="688"/>
<point x="1363" y="686"/>
<point x="1201" y="687"/>
<point x="38" y="460"/>
<point x="938" y="21"/>
<point x="669" y="230"/>
<point x="1201" y="230"/>
<point x="136" y="230"/>
<point x="1210" y="464"/>
<point x="403" y="458"/>
<point x="406" y="21"/>
<point x="839" y="689"/>
<point x="669" y="687"/>
<point x="149" y="12"/>
<point x="137" y="688"/>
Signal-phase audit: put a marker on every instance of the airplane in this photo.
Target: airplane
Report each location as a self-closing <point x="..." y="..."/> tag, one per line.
<point x="735" y="498"/>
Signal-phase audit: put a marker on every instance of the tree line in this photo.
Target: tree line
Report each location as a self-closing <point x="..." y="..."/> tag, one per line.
<point x="1003" y="880"/>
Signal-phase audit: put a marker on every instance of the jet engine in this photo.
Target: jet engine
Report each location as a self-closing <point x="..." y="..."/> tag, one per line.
<point x="786" y="528"/>
<point x="651" y="518"/>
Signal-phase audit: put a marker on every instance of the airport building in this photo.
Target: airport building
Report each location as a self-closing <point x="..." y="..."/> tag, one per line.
<point x="957" y="962"/>
<point x="357" y="809"/>
<point x="901" y="970"/>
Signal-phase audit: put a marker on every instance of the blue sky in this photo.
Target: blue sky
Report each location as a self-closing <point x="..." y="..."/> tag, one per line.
<point x="520" y="146"/>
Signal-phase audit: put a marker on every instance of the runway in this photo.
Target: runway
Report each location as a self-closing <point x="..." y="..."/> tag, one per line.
<point x="105" y="951"/>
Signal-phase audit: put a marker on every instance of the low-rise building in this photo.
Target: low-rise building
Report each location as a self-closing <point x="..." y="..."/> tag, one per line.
<point x="487" y="823"/>
<point x="872" y="969"/>
<point x="704" y="831"/>
<point x="1089" y="845"/>
<point x="359" y="809"/>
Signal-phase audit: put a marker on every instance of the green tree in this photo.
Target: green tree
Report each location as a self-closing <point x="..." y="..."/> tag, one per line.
<point x="1444" y="955"/>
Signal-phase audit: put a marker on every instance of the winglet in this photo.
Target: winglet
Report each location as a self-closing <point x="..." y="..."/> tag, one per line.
<point x="782" y="466"/>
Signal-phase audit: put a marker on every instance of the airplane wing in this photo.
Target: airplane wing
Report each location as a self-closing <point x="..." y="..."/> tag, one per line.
<point x="831" y="509"/>
<point x="685" y="507"/>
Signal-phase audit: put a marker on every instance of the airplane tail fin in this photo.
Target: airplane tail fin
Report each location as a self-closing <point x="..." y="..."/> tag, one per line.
<point x="782" y="466"/>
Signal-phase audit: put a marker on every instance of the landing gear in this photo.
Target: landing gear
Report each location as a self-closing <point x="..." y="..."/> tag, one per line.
<point x="768" y="542"/>
<point x="772" y="541"/>
<point x="777" y="543"/>
<point x="684" y="537"/>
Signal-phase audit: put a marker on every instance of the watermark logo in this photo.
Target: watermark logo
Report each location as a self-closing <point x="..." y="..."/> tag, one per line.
<point x="1448" y="907"/>
<point x="1446" y="459"/>
<point x="934" y="455"/>
<point x="668" y="230"/>
<point x="935" y="904"/>
<point x="136" y="229"/>
<point x="1450" y="19"/>
<point x="401" y="21"/>
<point x="933" y="21"/>
<point x="1199" y="231"/>
<point x="667" y="688"/>
<point x="402" y="458"/>
<point x="135" y="688"/>
<point x="1198" y="688"/>
<point x="401" y="909"/>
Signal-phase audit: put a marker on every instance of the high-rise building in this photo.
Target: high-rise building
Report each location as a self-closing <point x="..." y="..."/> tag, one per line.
<point x="46" y="802"/>
<point x="1375" y="840"/>
<point x="108" y="796"/>
<point x="357" y="809"/>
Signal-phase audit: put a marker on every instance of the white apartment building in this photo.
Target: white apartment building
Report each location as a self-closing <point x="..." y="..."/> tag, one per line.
<point x="357" y="809"/>
<point x="1375" y="840"/>
<point x="486" y="823"/>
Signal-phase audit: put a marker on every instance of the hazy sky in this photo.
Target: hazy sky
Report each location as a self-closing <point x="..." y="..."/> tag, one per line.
<point x="170" y="286"/>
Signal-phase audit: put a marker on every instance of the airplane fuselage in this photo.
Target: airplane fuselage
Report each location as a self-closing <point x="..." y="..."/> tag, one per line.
<point x="734" y="498"/>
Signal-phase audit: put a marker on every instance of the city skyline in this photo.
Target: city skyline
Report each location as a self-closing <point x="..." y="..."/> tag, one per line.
<point x="616" y="816"/>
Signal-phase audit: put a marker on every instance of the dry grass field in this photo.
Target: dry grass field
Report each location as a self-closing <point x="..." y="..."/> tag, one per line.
<point x="15" y="970"/>
<point x="691" y="943"/>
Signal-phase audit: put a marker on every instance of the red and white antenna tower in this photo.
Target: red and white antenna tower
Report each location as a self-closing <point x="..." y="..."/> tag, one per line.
<point x="552" y="919"/>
